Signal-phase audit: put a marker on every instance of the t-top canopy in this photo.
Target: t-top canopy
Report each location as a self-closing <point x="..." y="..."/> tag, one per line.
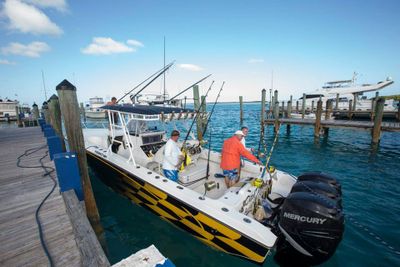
<point x="145" y="109"/>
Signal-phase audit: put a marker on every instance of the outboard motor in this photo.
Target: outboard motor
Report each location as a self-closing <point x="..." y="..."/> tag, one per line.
<point x="318" y="187"/>
<point x="313" y="224"/>
<point x="321" y="177"/>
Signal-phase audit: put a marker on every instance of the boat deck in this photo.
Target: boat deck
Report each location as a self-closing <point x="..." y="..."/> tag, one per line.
<point x="21" y="192"/>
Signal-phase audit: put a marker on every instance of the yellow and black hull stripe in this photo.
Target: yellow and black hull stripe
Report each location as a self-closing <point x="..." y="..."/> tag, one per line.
<point x="202" y="226"/>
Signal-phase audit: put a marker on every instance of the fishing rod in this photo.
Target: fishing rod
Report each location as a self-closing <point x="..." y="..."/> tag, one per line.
<point x="197" y="115"/>
<point x="208" y="156"/>
<point x="270" y="152"/>
<point x="158" y="75"/>
<point x="151" y="76"/>
<point x="212" y="110"/>
<point x="188" y="88"/>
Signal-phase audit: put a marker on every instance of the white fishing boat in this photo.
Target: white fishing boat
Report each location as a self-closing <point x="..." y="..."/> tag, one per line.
<point x="93" y="110"/>
<point x="348" y="90"/>
<point x="246" y="220"/>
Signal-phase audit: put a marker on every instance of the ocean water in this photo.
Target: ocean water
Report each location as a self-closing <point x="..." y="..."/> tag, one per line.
<point x="370" y="182"/>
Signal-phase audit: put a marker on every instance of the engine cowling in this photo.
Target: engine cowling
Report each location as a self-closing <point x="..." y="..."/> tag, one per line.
<point x="321" y="177"/>
<point x="311" y="217"/>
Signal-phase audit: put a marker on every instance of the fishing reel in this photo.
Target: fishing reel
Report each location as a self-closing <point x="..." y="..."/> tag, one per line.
<point x="193" y="149"/>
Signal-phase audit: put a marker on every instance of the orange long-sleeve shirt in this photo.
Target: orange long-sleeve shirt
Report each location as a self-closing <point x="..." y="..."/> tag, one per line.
<point x="231" y="152"/>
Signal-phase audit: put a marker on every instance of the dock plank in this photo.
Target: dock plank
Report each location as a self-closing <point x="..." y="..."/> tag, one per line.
<point x="21" y="191"/>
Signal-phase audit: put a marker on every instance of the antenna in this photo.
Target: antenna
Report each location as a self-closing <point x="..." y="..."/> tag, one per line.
<point x="164" y="72"/>
<point x="44" y="87"/>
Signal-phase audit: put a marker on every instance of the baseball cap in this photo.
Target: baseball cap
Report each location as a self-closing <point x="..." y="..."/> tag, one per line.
<point x="239" y="132"/>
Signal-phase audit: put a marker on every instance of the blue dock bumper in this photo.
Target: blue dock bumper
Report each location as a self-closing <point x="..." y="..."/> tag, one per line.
<point x="68" y="173"/>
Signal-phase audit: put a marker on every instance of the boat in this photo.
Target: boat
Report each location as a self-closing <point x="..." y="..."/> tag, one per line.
<point x="8" y="109"/>
<point x="348" y="90"/>
<point x="93" y="110"/>
<point x="247" y="220"/>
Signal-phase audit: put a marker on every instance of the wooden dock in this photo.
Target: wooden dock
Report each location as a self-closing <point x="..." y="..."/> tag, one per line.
<point x="21" y="192"/>
<point x="386" y="126"/>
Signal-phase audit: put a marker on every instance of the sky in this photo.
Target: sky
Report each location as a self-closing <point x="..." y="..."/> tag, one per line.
<point x="105" y="48"/>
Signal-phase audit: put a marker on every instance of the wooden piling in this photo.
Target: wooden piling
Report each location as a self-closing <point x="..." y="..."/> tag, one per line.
<point x="355" y="95"/>
<point x="328" y="109"/>
<point x="45" y="110"/>
<point x="350" y="114"/>
<point x="376" y="131"/>
<point x="312" y="106"/>
<point x="241" y="109"/>
<point x="83" y="113"/>
<point x="35" y="111"/>
<point x="337" y="102"/>
<point x="303" y="106"/>
<point x="297" y="106"/>
<point x="196" y="100"/>
<point x="289" y="109"/>
<point x="70" y="111"/>
<point x="283" y="109"/>
<point x="276" y="116"/>
<point x="317" y="126"/>
<point x="55" y="118"/>
<point x="17" y="114"/>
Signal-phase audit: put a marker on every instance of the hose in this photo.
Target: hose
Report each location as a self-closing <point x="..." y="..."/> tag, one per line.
<point x="48" y="170"/>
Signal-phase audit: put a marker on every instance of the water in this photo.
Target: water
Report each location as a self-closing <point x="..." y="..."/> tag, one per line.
<point x="369" y="179"/>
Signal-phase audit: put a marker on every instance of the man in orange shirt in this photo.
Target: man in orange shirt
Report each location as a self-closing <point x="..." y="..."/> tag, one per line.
<point x="230" y="161"/>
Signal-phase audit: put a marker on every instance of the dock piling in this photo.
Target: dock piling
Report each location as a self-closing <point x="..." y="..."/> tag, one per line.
<point x="70" y="111"/>
<point x="350" y="114"/>
<point x="317" y="126"/>
<point x="303" y="107"/>
<point x="55" y="118"/>
<point x="45" y="110"/>
<point x="18" y="117"/>
<point x="337" y="102"/>
<point x="376" y="131"/>
<point x="241" y="109"/>
<point x="35" y="111"/>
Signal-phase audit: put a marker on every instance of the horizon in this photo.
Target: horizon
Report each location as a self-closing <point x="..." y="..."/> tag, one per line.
<point x="106" y="48"/>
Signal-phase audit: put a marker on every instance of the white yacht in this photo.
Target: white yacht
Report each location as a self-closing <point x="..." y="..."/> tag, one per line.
<point x="246" y="220"/>
<point x="348" y="90"/>
<point x="93" y="110"/>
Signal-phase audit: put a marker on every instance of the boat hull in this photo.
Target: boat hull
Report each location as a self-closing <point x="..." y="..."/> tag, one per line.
<point x="200" y="225"/>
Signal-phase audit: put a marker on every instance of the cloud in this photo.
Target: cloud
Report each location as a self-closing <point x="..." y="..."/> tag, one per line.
<point x="190" y="67"/>
<point x="33" y="49"/>
<point x="134" y="43"/>
<point x="59" y="5"/>
<point x="6" y="62"/>
<point x="255" y="60"/>
<point x="107" y="46"/>
<point x="28" y="19"/>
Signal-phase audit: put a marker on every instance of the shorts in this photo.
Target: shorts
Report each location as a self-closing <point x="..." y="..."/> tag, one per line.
<point x="171" y="174"/>
<point x="231" y="174"/>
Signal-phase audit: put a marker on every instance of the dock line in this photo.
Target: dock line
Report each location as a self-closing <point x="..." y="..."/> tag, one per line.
<point x="29" y="152"/>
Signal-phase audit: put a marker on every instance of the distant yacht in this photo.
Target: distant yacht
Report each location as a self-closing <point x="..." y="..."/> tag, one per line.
<point x="7" y="109"/>
<point x="348" y="90"/>
<point x="93" y="110"/>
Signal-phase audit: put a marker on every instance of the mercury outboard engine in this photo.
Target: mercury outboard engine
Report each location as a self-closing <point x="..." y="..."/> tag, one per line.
<point x="311" y="218"/>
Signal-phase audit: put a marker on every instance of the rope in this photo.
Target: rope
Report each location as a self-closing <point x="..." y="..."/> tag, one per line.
<point x="48" y="170"/>
<point x="373" y="235"/>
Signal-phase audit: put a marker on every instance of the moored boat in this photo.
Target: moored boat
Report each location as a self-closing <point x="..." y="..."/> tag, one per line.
<point x="245" y="220"/>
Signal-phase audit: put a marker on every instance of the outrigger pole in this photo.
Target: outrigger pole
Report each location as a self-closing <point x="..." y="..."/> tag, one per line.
<point x="197" y="115"/>
<point x="188" y="88"/>
<point x="212" y="110"/>
<point x="157" y="72"/>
